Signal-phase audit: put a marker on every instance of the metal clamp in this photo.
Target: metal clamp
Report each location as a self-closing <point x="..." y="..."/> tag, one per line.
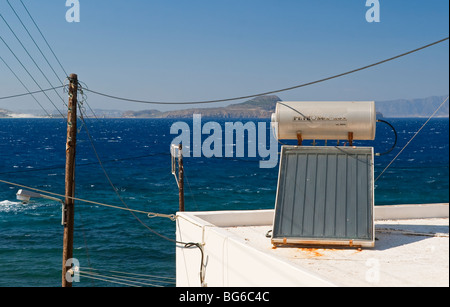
<point x="63" y="214"/>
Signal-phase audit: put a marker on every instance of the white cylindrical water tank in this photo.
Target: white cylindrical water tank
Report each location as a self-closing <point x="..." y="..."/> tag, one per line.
<point x="325" y="120"/>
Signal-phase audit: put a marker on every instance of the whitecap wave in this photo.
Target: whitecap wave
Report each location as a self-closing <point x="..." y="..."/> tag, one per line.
<point x="9" y="206"/>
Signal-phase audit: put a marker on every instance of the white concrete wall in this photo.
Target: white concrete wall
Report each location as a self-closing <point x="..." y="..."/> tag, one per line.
<point x="229" y="261"/>
<point x="421" y="211"/>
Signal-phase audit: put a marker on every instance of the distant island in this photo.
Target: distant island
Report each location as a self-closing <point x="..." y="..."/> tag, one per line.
<point x="422" y="107"/>
<point x="259" y="107"/>
<point x="264" y="106"/>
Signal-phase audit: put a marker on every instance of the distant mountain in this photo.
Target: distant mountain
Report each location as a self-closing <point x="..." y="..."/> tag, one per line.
<point x="264" y="106"/>
<point x="259" y="107"/>
<point x="423" y="107"/>
<point x="102" y="113"/>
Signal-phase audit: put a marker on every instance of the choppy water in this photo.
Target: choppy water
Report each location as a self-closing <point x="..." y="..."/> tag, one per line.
<point x="136" y="156"/>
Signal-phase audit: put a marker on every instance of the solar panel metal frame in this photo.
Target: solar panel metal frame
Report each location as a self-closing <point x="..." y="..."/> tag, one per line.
<point x="325" y="196"/>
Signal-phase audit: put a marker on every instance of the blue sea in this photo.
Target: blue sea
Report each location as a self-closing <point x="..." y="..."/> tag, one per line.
<point x="135" y="154"/>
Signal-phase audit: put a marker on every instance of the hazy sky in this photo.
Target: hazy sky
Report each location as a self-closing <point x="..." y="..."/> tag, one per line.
<point x="182" y="50"/>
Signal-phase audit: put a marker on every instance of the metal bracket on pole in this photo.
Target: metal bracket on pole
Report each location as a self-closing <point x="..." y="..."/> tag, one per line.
<point x="177" y="150"/>
<point x="181" y="177"/>
<point x="63" y="214"/>
<point x="173" y="155"/>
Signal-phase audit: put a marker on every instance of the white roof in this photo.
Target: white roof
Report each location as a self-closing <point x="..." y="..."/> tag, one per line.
<point x="407" y="252"/>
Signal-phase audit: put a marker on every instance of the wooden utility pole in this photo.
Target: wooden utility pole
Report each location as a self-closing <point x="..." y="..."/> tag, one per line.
<point x="70" y="178"/>
<point x="181" y="177"/>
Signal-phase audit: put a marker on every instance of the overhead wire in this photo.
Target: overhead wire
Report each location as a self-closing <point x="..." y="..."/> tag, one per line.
<point x="150" y="215"/>
<point x="31" y="93"/>
<point x="165" y="278"/>
<point x="108" y="177"/>
<point x="56" y="75"/>
<point x="150" y="282"/>
<point x="82" y="86"/>
<point x="31" y="76"/>
<point x="34" y="41"/>
<point x="130" y="279"/>
<point x="395" y="137"/>
<point x="260" y="94"/>
<point x="116" y="190"/>
<point x="185" y="244"/>
<point x="169" y="216"/>
<point x="108" y="280"/>
<point x="132" y="211"/>
<point x="32" y="59"/>
<point x="275" y="91"/>
<point x="48" y="45"/>
<point x="41" y="52"/>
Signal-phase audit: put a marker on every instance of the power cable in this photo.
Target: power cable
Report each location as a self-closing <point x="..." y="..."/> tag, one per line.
<point x="150" y="215"/>
<point x="185" y="244"/>
<point x="32" y="59"/>
<point x="395" y="137"/>
<point x="255" y="95"/>
<point x="107" y="280"/>
<point x="48" y="45"/>
<point x="128" y="280"/>
<point x="169" y="216"/>
<point x="110" y="181"/>
<point x="31" y="93"/>
<point x="153" y="281"/>
<point x="135" y="274"/>
<point x="31" y="76"/>
<point x="133" y="279"/>
<point x="295" y="110"/>
<point x="275" y="91"/>
<point x="82" y="86"/>
<point x="34" y="41"/>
